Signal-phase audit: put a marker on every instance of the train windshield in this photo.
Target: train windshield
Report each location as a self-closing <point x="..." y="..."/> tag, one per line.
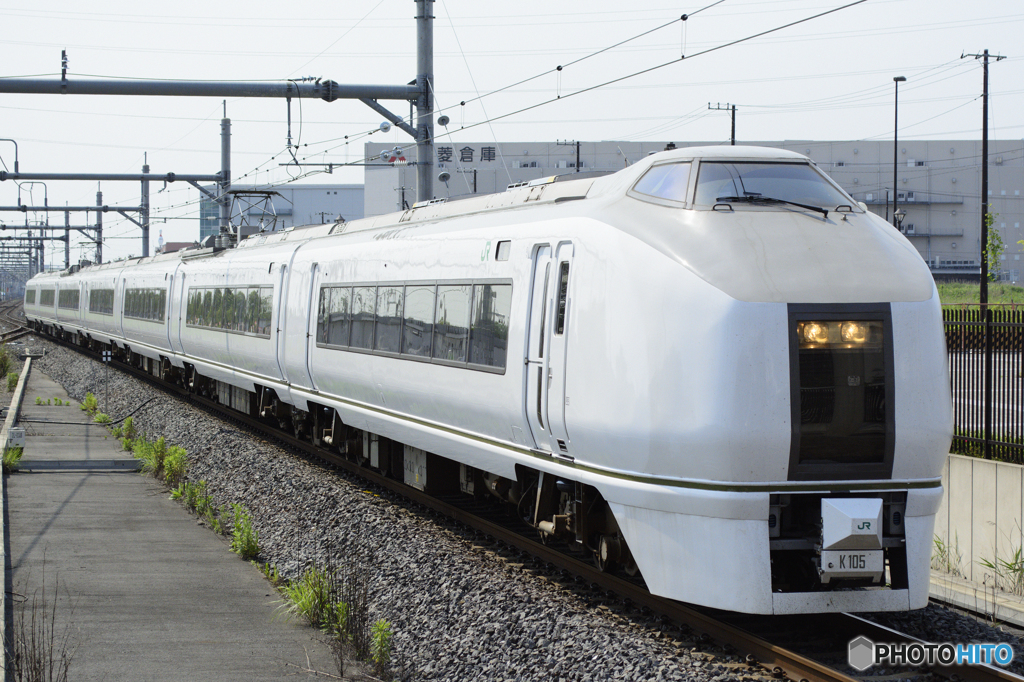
<point x="760" y="183"/>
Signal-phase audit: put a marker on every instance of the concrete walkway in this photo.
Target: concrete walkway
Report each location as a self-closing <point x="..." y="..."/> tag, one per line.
<point x="148" y="593"/>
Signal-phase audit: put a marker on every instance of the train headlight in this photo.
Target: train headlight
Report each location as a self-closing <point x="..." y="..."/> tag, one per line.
<point x="854" y="332"/>
<point x="839" y="334"/>
<point x="814" y="333"/>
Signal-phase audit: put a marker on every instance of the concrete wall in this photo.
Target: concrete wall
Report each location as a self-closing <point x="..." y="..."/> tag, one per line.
<point x="981" y="513"/>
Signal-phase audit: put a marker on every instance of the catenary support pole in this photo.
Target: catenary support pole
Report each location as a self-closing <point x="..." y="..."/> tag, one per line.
<point x="224" y="183"/>
<point x="99" y="227"/>
<point x="425" y="162"/>
<point x="144" y="213"/>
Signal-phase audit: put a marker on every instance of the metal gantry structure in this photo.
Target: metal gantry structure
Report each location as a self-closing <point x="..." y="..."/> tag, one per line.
<point x="420" y="92"/>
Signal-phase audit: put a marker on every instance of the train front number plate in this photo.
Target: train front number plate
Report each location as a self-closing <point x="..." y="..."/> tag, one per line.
<point x="840" y="563"/>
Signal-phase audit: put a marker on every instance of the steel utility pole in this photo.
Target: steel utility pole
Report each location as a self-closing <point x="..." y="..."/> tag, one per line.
<point x="727" y="107"/>
<point x="984" y="56"/>
<point x="983" y="293"/>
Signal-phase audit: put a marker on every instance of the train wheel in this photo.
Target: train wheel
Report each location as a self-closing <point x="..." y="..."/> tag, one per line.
<point x="608" y="553"/>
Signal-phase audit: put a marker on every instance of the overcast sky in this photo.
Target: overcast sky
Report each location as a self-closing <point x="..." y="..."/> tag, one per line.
<point x="828" y="78"/>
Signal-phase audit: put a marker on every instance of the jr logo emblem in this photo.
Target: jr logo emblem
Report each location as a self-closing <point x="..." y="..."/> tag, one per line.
<point x="865" y="525"/>
<point x="486" y="252"/>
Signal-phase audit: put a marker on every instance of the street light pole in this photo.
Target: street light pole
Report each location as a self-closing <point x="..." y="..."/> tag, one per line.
<point x="895" y="143"/>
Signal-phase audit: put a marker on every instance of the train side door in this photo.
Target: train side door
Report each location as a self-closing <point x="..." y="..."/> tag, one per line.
<point x="313" y="306"/>
<point x="280" y="320"/>
<point x="536" y="349"/>
<point x="558" y="347"/>
<point x="546" y="348"/>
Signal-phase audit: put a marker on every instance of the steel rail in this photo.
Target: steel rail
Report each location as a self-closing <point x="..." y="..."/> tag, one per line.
<point x="777" y="659"/>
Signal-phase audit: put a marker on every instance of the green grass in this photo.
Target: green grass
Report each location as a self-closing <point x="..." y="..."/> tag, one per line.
<point x="90" y="404"/>
<point x="967" y="293"/>
<point x="11" y="459"/>
<point x="12" y="381"/>
<point x="100" y="418"/>
<point x="5" y="361"/>
<point x="380" y="645"/>
<point x="245" y="540"/>
<point x="311" y="597"/>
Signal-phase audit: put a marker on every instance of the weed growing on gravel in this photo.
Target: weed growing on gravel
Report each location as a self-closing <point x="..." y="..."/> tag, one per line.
<point x="380" y="646"/>
<point x="311" y="598"/>
<point x="39" y="401"/>
<point x="126" y="432"/>
<point x="270" y="572"/>
<point x="175" y="463"/>
<point x="160" y="460"/>
<point x="245" y="539"/>
<point x="90" y="404"/>
<point x="12" y="381"/>
<point x="11" y="459"/>
<point x="5" y="360"/>
<point x="101" y="418"/>
<point x="193" y="496"/>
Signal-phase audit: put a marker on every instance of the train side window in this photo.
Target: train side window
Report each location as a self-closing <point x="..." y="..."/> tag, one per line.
<point x="46" y="297"/>
<point x="364" y="300"/>
<point x="323" y="316"/>
<point x="339" y="316"/>
<point x="504" y="248"/>
<point x="229" y="314"/>
<point x="451" y="322"/>
<point x="266" y="311"/>
<point x="492" y="304"/>
<point x="667" y="181"/>
<point x="388" y="329"/>
<point x="30" y="296"/>
<point x="206" y="311"/>
<point x="418" y="327"/>
<point x="563" y="294"/>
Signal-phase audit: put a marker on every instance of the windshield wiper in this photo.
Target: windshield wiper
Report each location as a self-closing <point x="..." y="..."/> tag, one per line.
<point x="756" y="198"/>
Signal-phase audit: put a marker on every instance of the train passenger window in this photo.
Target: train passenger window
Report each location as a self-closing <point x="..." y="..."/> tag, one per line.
<point x="339" y="316"/>
<point x="667" y="181"/>
<point x="266" y="311"/>
<point x="451" y="321"/>
<point x="30" y="296"/>
<point x="101" y="301"/>
<point x="252" y="310"/>
<point x="229" y="315"/>
<point x="418" y="329"/>
<point x="46" y="297"/>
<point x="492" y="304"/>
<point x="323" y="315"/>
<point x="388" y="330"/>
<point x="364" y="300"/>
<point x="68" y="299"/>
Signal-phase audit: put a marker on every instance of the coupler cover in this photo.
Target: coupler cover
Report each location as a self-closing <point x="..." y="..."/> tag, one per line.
<point x="851" y="533"/>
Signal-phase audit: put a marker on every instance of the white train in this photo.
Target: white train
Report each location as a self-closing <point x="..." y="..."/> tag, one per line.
<point x="713" y="367"/>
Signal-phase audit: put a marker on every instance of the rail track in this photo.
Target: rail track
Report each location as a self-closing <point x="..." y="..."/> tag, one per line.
<point x="18" y="328"/>
<point x="799" y="659"/>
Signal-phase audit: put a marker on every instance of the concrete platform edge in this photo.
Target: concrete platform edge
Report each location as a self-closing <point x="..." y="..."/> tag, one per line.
<point x="12" y="419"/>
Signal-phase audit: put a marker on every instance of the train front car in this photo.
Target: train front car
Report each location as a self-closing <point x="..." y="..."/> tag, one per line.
<point x="759" y="364"/>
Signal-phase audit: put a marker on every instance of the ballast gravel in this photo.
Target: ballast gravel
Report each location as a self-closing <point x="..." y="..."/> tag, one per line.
<point x="457" y="611"/>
